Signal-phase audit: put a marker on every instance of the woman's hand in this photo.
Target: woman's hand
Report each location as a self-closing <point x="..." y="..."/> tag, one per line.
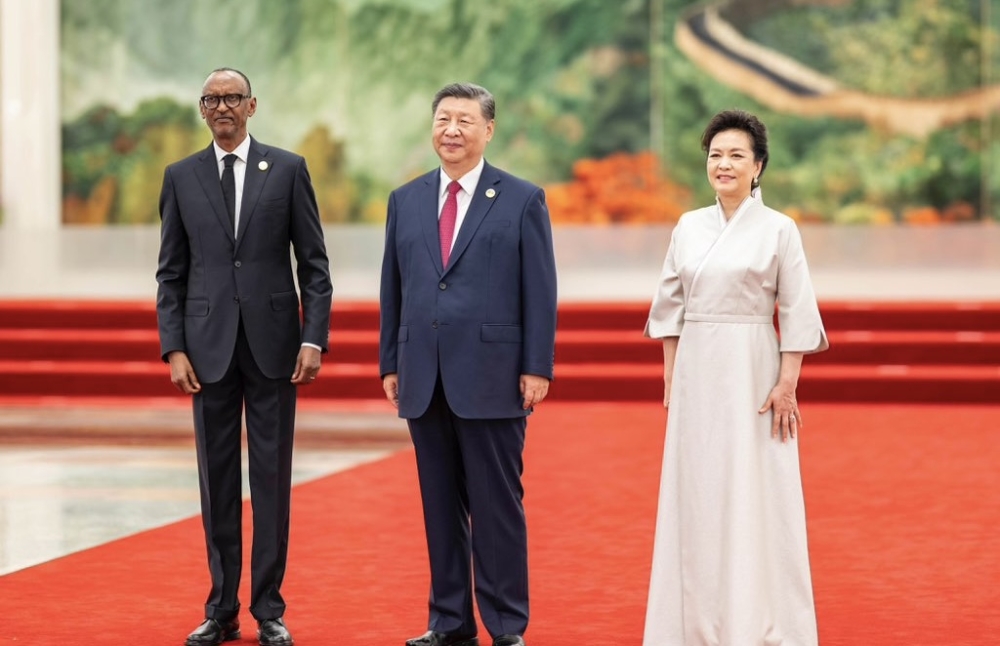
<point x="787" y="419"/>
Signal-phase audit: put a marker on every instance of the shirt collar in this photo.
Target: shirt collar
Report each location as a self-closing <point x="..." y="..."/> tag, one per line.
<point x="469" y="181"/>
<point x="744" y="205"/>
<point x="242" y="151"/>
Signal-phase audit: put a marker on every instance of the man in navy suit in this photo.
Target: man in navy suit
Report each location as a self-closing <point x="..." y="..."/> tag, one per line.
<point x="231" y="331"/>
<point x="468" y="322"/>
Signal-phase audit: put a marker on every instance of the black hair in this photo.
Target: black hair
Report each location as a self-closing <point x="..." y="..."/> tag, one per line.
<point x="468" y="91"/>
<point x="744" y="121"/>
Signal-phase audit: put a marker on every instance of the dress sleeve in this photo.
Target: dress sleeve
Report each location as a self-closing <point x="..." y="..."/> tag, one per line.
<point x="799" y="321"/>
<point x="666" y="315"/>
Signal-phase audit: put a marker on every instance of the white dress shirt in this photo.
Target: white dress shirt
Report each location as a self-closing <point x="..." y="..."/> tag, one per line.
<point x="469" y="181"/>
<point x="239" y="170"/>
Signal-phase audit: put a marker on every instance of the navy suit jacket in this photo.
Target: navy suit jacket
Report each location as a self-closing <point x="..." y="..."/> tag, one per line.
<point x="209" y="280"/>
<point x="486" y="318"/>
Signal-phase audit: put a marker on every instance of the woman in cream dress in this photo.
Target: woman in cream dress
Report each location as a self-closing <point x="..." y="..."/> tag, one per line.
<point x="730" y="561"/>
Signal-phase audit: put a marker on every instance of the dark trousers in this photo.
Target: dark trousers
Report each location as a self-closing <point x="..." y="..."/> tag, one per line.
<point x="270" y="417"/>
<point x="470" y="484"/>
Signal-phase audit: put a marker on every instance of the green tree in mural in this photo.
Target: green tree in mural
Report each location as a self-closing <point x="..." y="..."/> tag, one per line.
<point x="112" y="165"/>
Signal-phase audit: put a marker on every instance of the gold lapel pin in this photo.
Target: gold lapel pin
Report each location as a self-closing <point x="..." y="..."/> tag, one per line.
<point x="262" y="165"/>
<point x="490" y="193"/>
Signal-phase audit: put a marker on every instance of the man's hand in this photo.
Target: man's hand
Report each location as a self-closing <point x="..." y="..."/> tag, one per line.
<point x="533" y="390"/>
<point x="390" y="384"/>
<point x="306" y="366"/>
<point x="182" y="373"/>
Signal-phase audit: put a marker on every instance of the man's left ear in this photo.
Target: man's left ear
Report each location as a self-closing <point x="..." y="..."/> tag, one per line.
<point x="253" y="106"/>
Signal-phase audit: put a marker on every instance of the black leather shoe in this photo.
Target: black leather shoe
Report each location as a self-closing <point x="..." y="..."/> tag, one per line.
<point x="272" y="632"/>
<point x="509" y="640"/>
<point x="434" y="638"/>
<point x="213" y="632"/>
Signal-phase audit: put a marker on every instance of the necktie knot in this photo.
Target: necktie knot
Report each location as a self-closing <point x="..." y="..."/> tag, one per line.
<point x="454" y="188"/>
<point x="229" y="160"/>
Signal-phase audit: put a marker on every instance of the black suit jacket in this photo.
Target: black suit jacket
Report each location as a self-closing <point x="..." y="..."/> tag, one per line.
<point x="209" y="280"/>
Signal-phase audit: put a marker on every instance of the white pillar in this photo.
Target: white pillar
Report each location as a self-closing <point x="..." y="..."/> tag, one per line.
<point x="31" y="190"/>
<point x="30" y="147"/>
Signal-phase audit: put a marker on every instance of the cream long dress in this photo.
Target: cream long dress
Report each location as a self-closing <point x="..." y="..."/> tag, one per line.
<point x="730" y="560"/>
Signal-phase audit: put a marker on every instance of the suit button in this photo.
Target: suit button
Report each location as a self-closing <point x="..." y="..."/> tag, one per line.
<point x="236" y="299"/>
<point x="434" y="325"/>
<point x="442" y="286"/>
<point x="237" y="264"/>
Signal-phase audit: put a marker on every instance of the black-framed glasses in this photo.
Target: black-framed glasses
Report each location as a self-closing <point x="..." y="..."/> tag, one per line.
<point x="211" y="101"/>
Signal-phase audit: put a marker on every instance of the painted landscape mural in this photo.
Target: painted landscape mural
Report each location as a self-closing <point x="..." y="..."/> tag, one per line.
<point x="879" y="111"/>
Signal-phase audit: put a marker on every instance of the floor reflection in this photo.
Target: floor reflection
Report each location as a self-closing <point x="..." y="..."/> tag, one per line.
<point x="59" y="500"/>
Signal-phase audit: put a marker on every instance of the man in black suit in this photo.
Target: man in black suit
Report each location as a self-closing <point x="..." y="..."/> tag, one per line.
<point x="468" y="304"/>
<point x="231" y="331"/>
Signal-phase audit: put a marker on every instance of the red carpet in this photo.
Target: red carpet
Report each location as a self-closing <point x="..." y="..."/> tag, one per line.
<point x="903" y="505"/>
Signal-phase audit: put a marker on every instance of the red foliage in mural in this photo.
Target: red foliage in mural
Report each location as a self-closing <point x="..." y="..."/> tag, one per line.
<point x="619" y="189"/>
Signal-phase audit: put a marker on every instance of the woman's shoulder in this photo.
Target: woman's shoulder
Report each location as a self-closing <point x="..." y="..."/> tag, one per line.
<point x="775" y="217"/>
<point x="703" y="213"/>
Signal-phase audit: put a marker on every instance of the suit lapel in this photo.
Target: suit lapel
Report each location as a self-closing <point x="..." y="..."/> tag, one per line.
<point x="253" y="183"/>
<point x="428" y="215"/>
<point x="208" y="176"/>
<point x="486" y="195"/>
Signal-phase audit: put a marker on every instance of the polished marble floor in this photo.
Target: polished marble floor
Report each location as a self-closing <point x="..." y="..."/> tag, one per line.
<point x="81" y="487"/>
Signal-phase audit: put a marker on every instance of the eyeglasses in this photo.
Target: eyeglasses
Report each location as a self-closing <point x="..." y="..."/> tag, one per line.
<point x="211" y="101"/>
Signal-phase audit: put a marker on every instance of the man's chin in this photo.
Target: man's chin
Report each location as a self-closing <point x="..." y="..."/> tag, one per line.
<point x="224" y="130"/>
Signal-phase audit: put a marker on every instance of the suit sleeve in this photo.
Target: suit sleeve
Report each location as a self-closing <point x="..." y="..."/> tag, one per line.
<point x="538" y="288"/>
<point x="313" y="267"/>
<point x="390" y="296"/>
<point x="171" y="271"/>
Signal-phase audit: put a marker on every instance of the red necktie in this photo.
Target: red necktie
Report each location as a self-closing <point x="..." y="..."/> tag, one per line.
<point x="446" y="223"/>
